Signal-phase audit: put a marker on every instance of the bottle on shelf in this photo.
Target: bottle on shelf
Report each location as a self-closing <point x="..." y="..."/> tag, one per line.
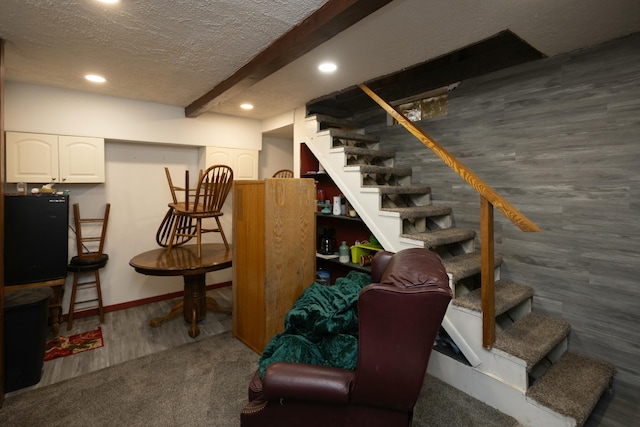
<point x="320" y="199"/>
<point x="344" y="253"/>
<point x="337" y="202"/>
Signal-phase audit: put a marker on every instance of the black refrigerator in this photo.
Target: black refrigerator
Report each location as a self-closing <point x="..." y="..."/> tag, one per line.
<point x="35" y="238"/>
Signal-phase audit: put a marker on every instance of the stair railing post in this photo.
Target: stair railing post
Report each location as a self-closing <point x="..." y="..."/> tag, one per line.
<point x="487" y="274"/>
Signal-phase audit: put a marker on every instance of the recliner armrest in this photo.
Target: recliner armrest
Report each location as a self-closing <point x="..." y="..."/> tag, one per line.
<point x="300" y="381"/>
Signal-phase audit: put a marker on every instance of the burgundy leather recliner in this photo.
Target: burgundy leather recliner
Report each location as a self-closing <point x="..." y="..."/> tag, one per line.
<point x="399" y="315"/>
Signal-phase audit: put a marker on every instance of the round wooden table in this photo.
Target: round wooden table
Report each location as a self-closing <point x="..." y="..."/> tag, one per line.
<point x="183" y="261"/>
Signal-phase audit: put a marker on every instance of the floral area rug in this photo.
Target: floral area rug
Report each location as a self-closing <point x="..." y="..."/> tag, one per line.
<point x="74" y="344"/>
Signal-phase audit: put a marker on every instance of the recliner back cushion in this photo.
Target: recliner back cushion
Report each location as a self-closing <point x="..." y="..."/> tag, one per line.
<point x="415" y="267"/>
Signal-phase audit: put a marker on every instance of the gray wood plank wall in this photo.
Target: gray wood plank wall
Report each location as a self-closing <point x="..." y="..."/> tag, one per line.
<point x="560" y="139"/>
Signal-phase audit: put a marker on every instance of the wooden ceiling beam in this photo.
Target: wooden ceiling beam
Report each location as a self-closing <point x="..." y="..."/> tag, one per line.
<point x="332" y="18"/>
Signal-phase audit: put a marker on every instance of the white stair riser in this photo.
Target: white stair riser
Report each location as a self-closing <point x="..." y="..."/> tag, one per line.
<point x="509" y="369"/>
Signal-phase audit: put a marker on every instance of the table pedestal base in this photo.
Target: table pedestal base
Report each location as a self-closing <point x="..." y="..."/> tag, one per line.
<point x="193" y="306"/>
<point x="186" y="261"/>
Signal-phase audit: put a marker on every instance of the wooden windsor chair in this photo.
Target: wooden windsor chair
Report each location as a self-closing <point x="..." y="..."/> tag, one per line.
<point x="182" y="222"/>
<point x="283" y="173"/>
<point x="213" y="188"/>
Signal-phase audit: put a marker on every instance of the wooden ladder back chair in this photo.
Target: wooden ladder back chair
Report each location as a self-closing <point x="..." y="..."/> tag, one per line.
<point x="213" y="188"/>
<point x="90" y="238"/>
<point x="283" y="173"/>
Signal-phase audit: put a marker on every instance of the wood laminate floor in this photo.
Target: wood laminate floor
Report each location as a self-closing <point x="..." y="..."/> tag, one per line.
<point x="127" y="335"/>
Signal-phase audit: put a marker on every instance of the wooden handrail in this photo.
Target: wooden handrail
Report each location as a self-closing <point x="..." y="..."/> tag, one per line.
<point x="489" y="199"/>
<point x="514" y="215"/>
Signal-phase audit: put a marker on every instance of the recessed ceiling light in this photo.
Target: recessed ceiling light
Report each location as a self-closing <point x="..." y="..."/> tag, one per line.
<point x="327" y="67"/>
<point x="246" y="106"/>
<point x="108" y="1"/>
<point x="95" y="78"/>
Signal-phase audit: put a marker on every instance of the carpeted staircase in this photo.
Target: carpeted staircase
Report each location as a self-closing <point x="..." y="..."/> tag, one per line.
<point x="529" y="373"/>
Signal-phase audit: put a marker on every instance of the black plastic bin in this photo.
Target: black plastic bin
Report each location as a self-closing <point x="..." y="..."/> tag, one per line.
<point x="25" y="336"/>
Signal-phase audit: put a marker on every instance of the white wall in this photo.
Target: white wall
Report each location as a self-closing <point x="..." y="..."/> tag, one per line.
<point x="42" y="109"/>
<point x="138" y="192"/>
<point x="276" y="154"/>
<point x="135" y="183"/>
<point x="278" y="122"/>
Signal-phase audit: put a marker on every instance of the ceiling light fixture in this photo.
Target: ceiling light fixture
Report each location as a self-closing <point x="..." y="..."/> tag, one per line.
<point x="94" y="78"/>
<point x="246" y="106"/>
<point x="109" y="1"/>
<point x="327" y="67"/>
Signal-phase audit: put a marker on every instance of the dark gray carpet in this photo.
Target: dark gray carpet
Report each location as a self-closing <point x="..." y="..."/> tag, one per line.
<point x="201" y="383"/>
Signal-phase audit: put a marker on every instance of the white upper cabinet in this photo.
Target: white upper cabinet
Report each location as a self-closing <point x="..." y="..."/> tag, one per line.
<point x="81" y="159"/>
<point x="243" y="162"/>
<point x="41" y="158"/>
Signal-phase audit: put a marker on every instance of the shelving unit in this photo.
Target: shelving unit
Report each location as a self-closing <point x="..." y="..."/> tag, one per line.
<point x="346" y="228"/>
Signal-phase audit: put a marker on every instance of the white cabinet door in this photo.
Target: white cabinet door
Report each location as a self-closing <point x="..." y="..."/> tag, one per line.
<point x="81" y="159"/>
<point x="246" y="165"/>
<point x="243" y="162"/>
<point x="32" y="157"/>
<point x="41" y="158"/>
<point x="217" y="156"/>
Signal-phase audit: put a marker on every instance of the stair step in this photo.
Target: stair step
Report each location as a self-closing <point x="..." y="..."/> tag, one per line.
<point x="573" y="385"/>
<point x="360" y="151"/>
<point x="466" y="265"/>
<point x="353" y="136"/>
<point x="420" y="211"/>
<point x="384" y="170"/>
<point x="365" y="156"/>
<point x="508" y="295"/>
<point x="326" y="120"/>
<point x="445" y="236"/>
<point x="404" y="196"/>
<point x="532" y="337"/>
<point x="404" y="189"/>
<point x="373" y="175"/>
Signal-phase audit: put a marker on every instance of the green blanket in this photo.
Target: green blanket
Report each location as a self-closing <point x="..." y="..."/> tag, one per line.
<point x="322" y="326"/>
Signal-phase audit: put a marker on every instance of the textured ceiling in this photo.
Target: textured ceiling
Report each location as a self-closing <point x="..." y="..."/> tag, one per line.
<point x="170" y="51"/>
<point x="173" y="52"/>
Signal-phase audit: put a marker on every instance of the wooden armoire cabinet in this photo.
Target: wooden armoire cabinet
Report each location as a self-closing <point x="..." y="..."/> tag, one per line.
<point x="274" y="254"/>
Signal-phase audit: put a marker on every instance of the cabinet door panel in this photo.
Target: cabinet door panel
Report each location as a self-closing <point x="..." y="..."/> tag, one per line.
<point x="246" y="166"/>
<point x="289" y="218"/>
<point x="244" y="162"/>
<point x="220" y="156"/>
<point x="81" y="159"/>
<point x="248" y="264"/>
<point x="32" y="157"/>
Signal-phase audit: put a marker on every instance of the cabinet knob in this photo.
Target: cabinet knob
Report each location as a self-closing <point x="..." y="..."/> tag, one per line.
<point x="53" y="178"/>
<point x="64" y="179"/>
